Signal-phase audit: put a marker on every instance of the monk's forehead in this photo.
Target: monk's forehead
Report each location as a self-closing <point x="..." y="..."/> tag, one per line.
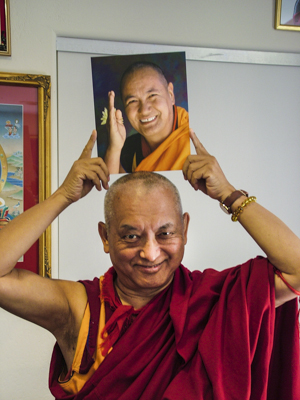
<point x="141" y="73"/>
<point x="137" y="190"/>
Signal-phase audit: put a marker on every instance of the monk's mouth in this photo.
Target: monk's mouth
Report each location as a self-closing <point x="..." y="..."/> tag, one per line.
<point x="151" y="268"/>
<point x="148" y="120"/>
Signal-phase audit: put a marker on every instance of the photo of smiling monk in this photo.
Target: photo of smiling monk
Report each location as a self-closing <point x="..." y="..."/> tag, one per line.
<point x="162" y="139"/>
<point x="159" y="136"/>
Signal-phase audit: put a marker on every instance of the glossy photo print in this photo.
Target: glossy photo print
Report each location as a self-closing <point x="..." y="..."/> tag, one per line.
<point x="141" y="111"/>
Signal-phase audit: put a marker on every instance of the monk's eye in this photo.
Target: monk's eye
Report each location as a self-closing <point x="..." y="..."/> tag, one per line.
<point x="165" y="235"/>
<point x="132" y="101"/>
<point x="131" y="237"/>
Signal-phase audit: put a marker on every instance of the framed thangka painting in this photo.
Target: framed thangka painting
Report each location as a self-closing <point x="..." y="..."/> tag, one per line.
<point x="11" y="162"/>
<point x="25" y="156"/>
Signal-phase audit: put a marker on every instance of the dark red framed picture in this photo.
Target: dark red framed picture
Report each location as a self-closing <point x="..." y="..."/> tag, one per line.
<point x="25" y="156"/>
<point x="5" y="49"/>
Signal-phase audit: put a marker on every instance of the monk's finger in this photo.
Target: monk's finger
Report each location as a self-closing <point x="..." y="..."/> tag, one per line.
<point x="119" y="117"/>
<point x="111" y="101"/>
<point x="186" y="166"/>
<point x="189" y="164"/>
<point x="193" y="175"/>
<point x="195" y="170"/>
<point x="200" y="149"/>
<point x="87" y="151"/>
<point x="100" y="174"/>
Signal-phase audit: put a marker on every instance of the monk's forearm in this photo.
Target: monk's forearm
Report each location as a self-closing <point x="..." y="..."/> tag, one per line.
<point x="280" y="244"/>
<point x="22" y="232"/>
<point x="112" y="160"/>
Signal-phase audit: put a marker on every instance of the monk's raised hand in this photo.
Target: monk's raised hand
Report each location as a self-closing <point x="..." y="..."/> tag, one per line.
<point x="115" y="125"/>
<point x="85" y="173"/>
<point x="204" y="172"/>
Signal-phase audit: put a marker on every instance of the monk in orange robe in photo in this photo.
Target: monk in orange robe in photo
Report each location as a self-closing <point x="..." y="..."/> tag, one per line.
<point x="162" y="140"/>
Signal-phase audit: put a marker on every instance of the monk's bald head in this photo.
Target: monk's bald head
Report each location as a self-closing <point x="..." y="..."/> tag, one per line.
<point x="142" y="181"/>
<point x="137" y="67"/>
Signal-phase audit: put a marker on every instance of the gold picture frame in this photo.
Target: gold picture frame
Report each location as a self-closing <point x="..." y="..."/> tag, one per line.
<point x="291" y="22"/>
<point x="5" y="46"/>
<point x="30" y="95"/>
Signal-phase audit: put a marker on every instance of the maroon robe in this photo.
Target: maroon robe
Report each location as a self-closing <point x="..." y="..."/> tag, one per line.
<point x="208" y="336"/>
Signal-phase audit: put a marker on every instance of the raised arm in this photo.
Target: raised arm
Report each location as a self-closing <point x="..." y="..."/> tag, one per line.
<point x="55" y="305"/>
<point x="280" y="244"/>
<point x="117" y="136"/>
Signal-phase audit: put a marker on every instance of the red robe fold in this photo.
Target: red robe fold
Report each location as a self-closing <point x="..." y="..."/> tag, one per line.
<point x="208" y="336"/>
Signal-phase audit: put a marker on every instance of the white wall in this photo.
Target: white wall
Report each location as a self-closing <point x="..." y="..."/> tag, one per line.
<point x="248" y="25"/>
<point x="237" y="110"/>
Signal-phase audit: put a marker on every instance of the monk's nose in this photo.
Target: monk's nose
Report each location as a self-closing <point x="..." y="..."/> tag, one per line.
<point x="144" y="107"/>
<point x="150" y="250"/>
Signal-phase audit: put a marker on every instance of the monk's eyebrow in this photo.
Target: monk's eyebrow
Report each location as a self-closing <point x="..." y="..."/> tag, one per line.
<point x="132" y="96"/>
<point x="128" y="228"/>
<point x="152" y="90"/>
<point x="168" y="225"/>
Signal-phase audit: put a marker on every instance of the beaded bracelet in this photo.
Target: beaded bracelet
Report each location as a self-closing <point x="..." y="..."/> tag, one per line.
<point x="239" y="210"/>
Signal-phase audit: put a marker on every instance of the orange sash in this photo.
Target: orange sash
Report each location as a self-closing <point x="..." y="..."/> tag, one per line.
<point x="173" y="151"/>
<point x="76" y="382"/>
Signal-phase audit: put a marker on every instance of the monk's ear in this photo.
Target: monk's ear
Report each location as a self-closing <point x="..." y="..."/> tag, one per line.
<point x="186" y="220"/>
<point x="171" y="92"/>
<point x="102" y="229"/>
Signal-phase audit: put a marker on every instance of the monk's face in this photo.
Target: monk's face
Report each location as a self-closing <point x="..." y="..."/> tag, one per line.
<point x="146" y="238"/>
<point x="148" y="102"/>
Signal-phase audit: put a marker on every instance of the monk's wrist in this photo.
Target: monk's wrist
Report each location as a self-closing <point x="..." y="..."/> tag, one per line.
<point x="113" y="150"/>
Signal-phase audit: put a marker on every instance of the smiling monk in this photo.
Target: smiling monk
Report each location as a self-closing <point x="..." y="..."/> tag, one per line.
<point x="162" y="139"/>
<point x="150" y="329"/>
